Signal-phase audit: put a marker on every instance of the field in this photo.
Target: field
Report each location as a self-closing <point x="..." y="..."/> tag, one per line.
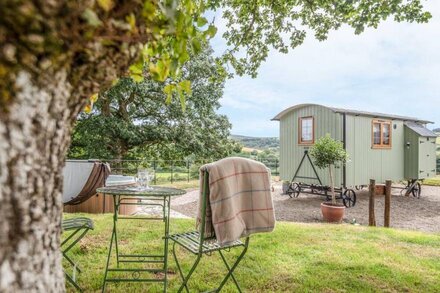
<point x="295" y="257"/>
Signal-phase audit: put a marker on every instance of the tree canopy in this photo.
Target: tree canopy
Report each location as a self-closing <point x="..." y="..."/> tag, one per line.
<point x="132" y="119"/>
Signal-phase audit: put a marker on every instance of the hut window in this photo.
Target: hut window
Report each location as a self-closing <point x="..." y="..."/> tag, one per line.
<point x="306" y="130"/>
<point x="381" y="134"/>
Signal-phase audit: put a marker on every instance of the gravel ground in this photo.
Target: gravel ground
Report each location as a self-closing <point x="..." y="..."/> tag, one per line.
<point x="406" y="212"/>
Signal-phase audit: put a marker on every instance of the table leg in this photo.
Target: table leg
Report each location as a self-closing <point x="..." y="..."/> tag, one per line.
<point x="115" y="219"/>
<point x="167" y="201"/>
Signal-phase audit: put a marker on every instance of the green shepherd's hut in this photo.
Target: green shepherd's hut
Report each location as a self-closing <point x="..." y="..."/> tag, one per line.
<point x="380" y="146"/>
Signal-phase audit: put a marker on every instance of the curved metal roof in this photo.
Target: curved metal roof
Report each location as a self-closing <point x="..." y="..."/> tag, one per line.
<point x="351" y="112"/>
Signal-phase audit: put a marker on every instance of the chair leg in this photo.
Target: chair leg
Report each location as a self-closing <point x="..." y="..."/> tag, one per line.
<point x="231" y="271"/>
<point x="228" y="267"/>
<point x="71" y="262"/>
<point x="72" y="282"/>
<point x="188" y="276"/>
<point x="178" y="266"/>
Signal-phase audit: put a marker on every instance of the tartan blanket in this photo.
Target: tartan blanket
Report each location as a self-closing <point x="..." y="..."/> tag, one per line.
<point x="239" y="201"/>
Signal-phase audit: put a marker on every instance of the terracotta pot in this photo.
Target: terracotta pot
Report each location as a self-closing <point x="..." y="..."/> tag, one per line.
<point x="332" y="213"/>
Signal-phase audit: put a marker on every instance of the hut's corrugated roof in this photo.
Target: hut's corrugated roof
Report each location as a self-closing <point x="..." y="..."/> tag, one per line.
<point x="420" y="129"/>
<point x="354" y="112"/>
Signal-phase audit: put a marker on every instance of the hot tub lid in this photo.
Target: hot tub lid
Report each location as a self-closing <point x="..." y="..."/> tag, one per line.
<point x="114" y="180"/>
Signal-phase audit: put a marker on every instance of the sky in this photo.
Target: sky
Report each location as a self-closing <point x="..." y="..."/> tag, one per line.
<point x="394" y="69"/>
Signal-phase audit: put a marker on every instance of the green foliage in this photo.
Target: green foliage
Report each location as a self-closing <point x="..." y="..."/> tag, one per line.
<point x="260" y="143"/>
<point x="327" y="152"/>
<point x="134" y="120"/>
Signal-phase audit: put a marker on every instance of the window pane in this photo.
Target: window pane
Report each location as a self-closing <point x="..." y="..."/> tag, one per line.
<point x="306" y="129"/>
<point x="376" y="133"/>
<point x="386" y="134"/>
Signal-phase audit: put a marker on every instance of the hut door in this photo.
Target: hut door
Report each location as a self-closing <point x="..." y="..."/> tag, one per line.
<point x="426" y="157"/>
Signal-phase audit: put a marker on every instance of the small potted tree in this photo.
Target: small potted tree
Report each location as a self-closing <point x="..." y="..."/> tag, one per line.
<point x="327" y="153"/>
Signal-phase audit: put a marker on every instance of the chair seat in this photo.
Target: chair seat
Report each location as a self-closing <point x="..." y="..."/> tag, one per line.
<point x="75" y="223"/>
<point x="191" y="241"/>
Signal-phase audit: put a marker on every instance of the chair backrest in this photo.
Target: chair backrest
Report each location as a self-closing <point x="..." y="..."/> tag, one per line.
<point x="226" y="211"/>
<point x="203" y="206"/>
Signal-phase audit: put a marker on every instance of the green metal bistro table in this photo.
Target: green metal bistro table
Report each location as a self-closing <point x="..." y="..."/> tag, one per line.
<point x="128" y="195"/>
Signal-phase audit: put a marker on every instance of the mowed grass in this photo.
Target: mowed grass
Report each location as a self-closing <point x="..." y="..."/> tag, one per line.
<point x="295" y="257"/>
<point x="432" y="181"/>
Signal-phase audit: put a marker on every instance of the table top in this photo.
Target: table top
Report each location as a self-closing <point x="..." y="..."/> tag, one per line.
<point x="132" y="190"/>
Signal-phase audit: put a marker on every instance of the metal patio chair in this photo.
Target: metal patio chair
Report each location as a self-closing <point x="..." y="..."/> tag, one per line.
<point x="196" y="243"/>
<point x="78" y="228"/>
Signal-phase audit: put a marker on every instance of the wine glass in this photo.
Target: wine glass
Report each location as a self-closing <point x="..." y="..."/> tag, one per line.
<point x="142" y="178"/>
<point x="150" y="178"/>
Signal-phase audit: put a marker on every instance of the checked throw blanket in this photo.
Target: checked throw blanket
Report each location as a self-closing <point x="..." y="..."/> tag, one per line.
<point x="239" y="201"/>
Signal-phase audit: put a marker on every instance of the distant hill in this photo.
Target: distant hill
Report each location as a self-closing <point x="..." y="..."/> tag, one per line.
<point x="437" y="130"/>
<point x="259" y="143"/>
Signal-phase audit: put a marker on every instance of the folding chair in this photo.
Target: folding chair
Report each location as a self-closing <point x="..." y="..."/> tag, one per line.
<point x="79" y="227"/>
<point x="196" y="243"/>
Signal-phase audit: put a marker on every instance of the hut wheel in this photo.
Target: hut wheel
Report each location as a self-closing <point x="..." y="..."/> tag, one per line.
<point x="416" y="190"/>
<point x="349" y="198"/>
<point x="296" y="189"/>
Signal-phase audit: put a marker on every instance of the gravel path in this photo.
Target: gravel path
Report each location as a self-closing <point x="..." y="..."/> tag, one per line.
<point x="406" y="212"/>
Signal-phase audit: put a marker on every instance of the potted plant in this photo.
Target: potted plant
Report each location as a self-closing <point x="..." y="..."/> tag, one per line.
<point x="286" y="185"/>
<point x="326" y="153"/>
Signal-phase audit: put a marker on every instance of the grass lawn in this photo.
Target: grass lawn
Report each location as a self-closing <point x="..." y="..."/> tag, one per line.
<point x="432" y="181"/>
<point x="295" y="257"/>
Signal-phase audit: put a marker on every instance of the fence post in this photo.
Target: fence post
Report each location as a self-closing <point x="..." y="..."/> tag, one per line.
<point x="387" y="203"/>
<point x="187" y="169"/>
<point x="155" y="175"/>
<point x="172" y="169"/>
<point x="371" y="217"/>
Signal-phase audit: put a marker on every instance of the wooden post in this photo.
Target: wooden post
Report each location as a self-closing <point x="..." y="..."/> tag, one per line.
<point x="371" y="217"/>
<point x="387" y="203"/>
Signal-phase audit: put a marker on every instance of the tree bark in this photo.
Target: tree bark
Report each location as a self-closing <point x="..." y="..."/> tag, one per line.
<point x="34" y="137"/>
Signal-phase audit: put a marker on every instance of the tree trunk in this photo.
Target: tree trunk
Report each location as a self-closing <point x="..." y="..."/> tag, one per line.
<point x="332" y="185"/>
<point x="34" y="137"/>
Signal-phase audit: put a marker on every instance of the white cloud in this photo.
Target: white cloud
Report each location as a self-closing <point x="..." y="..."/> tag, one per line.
<point x="392" y="69"/>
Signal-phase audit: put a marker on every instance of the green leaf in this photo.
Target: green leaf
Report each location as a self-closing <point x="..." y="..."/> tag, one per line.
<point x="131" y="19"/>
<point x="211" y="31"/>
<point x="136" y="68"/>
<point x="168" y="90"/>
<point x="182" y="101"/>
<point x="196" y="45"/>
<point x="137" y="77"/>
<point x="107" y="5"/>
<point x="91" y="17"/>
<point x="201" y="21"/>
<point x="163" y="69"/>
<point x="185" y="85"/>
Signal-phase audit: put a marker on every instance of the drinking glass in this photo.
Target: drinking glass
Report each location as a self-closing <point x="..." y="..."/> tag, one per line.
<point x="142" y="178"/>
<point x="150" y="178"/>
